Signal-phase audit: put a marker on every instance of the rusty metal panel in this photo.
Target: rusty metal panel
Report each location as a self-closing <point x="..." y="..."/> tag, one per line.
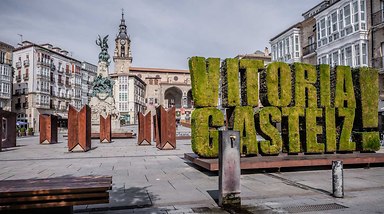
<point x="155" y="131"/>
<point x="9" y="130"/>
<point x="144" y="128"/>
<point x="105" y="129"/>
<point x="79" y="129"/>
<point x="166" y="128"/>
<point x="48" y="128"/>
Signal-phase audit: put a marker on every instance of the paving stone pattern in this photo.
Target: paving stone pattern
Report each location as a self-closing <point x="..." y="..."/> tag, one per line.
<point x="149" y="180"/>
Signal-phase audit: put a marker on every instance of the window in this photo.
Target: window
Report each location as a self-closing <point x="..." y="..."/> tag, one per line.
<point x="324" y="60"/>
<point x="357" y="54"/>
<point x="296" y="46"/>
<point x="334" y="21"/>
<point x="330" y="59"/>
<point x="342" y="57"/>
<point x="329" y="25"/>
<point x="335" y="58"/>
<point x="355" y="16"/>
<point x="341" y="22"/>
<point x="175" y="78"/>
<point x="287" y="46"/>
<point x="362" y="14"/>
<point x="347" y="15"/>
<point x="322" y="28"/>
<point x="364" y="53"/>
<point x="348" y="56"/>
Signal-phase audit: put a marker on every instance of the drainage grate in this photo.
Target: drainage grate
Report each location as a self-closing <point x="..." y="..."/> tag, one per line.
<point x="311" y="208"/>
<point x="201" y="209"/>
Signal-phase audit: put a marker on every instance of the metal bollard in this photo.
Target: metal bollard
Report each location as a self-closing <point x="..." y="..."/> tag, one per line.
<point x="337" y="179"/>
<point x="229" y="168"/>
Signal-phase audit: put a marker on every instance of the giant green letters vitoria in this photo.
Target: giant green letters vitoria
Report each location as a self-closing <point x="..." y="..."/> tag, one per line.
<point x="305" y="108"/>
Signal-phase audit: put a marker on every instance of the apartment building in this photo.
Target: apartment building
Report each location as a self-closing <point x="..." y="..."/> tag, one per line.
<point x="47" y="79"/>
<point x="342" y="34"/>
<point x="88" y="74"/>
<point x="6" y="71"/>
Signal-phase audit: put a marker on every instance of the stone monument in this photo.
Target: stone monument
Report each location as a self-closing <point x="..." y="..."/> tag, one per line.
<point x="102" y="100"/>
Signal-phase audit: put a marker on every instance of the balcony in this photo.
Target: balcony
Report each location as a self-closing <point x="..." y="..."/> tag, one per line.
<point x="26" y="63"/>
<point x="378" y="63"/>
<point x="5" y="95"/>
<point x="25" y="105"/>
<point x="309" y="49"/>
<point x="44" y="63"/>
<point x="5" y="77"/>
<point x="378" y="18"/>
<point x="60" y="83"/>
<point x="68" y="72"/>
<point x="18" y="64"/>
<point x="18" y="78"/>
<point x="41" y="105"/>
<point x="18" y="106"/>
<point x="67" y="84"/>
<point x="25" y="77"/>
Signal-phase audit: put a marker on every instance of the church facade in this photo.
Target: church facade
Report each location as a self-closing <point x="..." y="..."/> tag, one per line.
<point x="139" y="89"/>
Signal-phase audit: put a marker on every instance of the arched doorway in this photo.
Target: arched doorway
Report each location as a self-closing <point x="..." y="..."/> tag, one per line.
<point x="173" y="95"/>
<point x="189" y="99"/>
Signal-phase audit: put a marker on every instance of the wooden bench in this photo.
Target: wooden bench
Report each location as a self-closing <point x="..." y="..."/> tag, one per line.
<point x="53" y="195"/>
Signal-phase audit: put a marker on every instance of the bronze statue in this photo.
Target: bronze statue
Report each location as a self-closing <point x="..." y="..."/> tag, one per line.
<point x="103" y="44"/>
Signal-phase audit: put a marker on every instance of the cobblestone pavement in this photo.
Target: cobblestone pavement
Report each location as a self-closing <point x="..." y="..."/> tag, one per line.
<point x="148" y="180"/>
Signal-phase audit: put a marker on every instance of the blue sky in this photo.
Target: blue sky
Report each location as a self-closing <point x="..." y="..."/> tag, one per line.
<point x="164" y="33"/>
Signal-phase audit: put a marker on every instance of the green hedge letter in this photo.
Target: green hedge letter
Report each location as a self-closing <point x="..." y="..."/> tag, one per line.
<point x="367" y="92"/>
<point x="244" y="123"/>
<point x="276" y="85"/>
<point x="293" y="141"/>
<point x="273" y="143"/>
<point x="312" y="129"/>
<point x="230" y="83"/>
<point x="249" y="70"/>
<point x="205" y="138"/>
<point x="305" y="80"/>
<point x="345" y="124"/>
<point x="325" y="85"/>
<point x="205" y="81"/>
<point x="344" y="94"/>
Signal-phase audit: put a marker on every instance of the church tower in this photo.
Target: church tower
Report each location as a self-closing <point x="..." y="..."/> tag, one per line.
<point x="122" y="56"/>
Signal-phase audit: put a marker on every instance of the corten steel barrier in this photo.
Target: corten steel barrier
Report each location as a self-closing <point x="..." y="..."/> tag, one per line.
<point x="154" y="129"/>
<point x="10" y="129"/>
<point x="105" y="129"/>
<point x="48" y="128"/>
<point x="166" y="128"/>
<point x="79" y="129"/>
<point x="144" y="128"/>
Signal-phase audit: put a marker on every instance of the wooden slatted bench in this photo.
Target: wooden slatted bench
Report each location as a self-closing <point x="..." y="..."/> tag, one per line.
<point x="53" y="195"/>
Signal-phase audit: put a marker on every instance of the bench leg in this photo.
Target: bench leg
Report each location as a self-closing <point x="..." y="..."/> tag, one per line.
<point x="55" y="210"/>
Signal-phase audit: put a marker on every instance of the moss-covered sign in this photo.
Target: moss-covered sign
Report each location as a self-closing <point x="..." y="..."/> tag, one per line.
<point x="305" y="108"/>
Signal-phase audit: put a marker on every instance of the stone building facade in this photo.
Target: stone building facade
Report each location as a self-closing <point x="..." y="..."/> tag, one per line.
<point x="46" y="81"/>
<point x="139" y="89"/>
<point x="129" y="90"/>
<point x="167" y="87"/>
<point x="6" y="71"/>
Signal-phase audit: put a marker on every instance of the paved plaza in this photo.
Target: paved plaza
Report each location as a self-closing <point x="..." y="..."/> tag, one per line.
<point x="148" y="180"/>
